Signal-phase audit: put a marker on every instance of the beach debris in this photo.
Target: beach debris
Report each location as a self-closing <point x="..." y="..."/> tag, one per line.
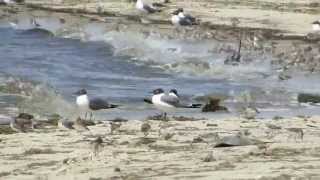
<point x="236" y="140"/>
<point x="119" y="120"/>
<point x="209" y="157"/>
<point x="6" y="129"/>
<point x="97" y="145"/>
<point x="213" y="105"/>
<point x="284" y="76"/>
<point x="22" y="122"/>
<point x="80" y="125"/>
<point x="296" y="133"/>
<point x="117" y="169"/>
<point x="32" y="151"/>
<point x="114" y="126"/>
<point x="145" y="128"/>
<point x="272" y="126"/>
<point x="198" y="140"/>
<point x="184" y="118"/>
<point x="144" y="140"/>
<point x="308" y="98"/>
<point x="277" y="118"/>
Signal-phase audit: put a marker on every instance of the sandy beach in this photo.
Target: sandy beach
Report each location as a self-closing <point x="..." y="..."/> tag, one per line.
<point x="214" y="148"/>
<point x="171" y="150"/>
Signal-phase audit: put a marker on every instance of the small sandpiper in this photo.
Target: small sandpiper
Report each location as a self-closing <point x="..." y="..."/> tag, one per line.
<point x="145" y="128"/>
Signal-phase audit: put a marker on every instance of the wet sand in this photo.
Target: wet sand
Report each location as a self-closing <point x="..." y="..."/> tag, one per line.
<point x="172" y="150"/>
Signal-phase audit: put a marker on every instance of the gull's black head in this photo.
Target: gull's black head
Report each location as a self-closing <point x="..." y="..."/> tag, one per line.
<point x="157" y="91"/>
<point x="174" y="91"/>
<point x="81" y="92"/>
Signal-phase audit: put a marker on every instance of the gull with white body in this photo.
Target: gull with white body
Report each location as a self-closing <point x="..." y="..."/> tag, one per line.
<point x="86" y="104"/>
<point x="180" y="19"/>
<point x="168" y="102"/>
<point x="145" y="8"/>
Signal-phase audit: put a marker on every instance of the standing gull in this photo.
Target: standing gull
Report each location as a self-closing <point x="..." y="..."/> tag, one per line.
<point x="145" y="7"/>
<point x="87" y="104"/>
<point x="165" y="102"/>
<point x="174" y="93"/>
<point x="180" y="19"/>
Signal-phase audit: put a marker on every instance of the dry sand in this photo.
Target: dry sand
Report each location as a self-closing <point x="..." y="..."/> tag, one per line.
<point x="177" y="150"/>
<point x="291" y="16"/>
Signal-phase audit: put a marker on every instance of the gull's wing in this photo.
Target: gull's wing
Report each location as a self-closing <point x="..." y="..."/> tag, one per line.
<point x="171" y="100"/>
<point x="98" y="103"/>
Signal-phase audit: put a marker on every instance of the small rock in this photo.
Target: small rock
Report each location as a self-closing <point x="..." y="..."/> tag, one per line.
<point x="117" y="169"/>
<point x="213" y="105"/>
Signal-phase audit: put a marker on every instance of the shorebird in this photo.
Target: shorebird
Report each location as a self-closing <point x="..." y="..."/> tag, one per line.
<point x="64" y="123"/>
<point x="87" y="104"/>
<point x="235" y="58"/>
<point x="316" y="25"/>
<point x="165" y="102"/>
<point x="145" y="128"/>
<point x="97" y="145"/>
<point x="80" y="125"/>
<point x="180" y="19"/>
<point x="145" y="7"/>
<point x="22" y="122"/>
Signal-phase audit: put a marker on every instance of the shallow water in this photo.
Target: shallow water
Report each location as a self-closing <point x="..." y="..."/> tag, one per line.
<point x="124" y="67"/>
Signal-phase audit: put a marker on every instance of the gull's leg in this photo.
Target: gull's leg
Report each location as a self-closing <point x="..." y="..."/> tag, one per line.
<point x="91" y="115"/>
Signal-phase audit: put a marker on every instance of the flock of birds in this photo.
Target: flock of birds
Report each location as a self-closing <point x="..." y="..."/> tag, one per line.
<point x="165" y="102"/>
<point x="178" y="17"/>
